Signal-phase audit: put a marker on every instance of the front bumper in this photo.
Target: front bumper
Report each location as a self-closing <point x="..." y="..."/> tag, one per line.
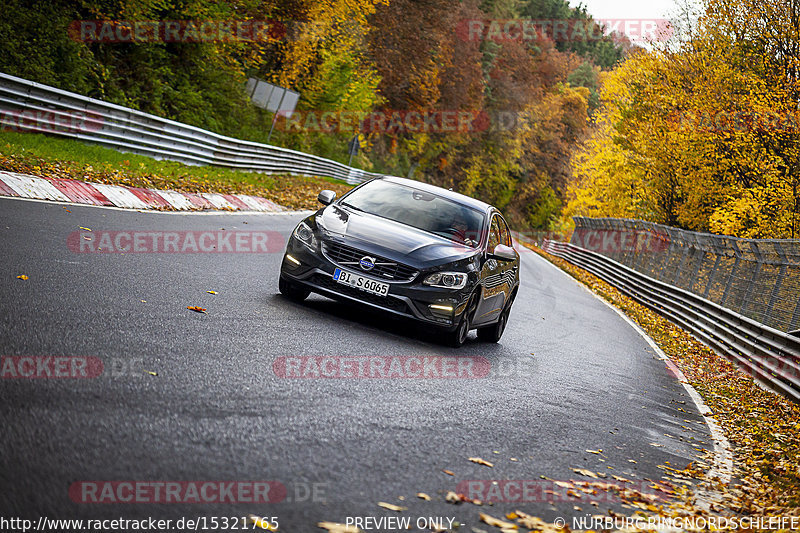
<point x="409" y="299"/>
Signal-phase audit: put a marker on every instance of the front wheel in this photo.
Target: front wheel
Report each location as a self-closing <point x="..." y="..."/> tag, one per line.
<point x="495" y="331"/>
<point x="292" y="291"/>
<point x="459" y="336"/>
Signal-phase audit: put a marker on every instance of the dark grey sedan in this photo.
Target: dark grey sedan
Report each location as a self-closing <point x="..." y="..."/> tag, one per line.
<point x="411" y="249"/>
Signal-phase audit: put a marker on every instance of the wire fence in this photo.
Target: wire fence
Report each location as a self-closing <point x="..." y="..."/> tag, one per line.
<point x="757" y="278"/>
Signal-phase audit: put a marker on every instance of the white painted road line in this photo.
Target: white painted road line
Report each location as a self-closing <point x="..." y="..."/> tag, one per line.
<point x="723" y="452"/>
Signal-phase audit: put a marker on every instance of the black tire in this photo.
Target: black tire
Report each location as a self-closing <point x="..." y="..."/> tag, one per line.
<point x="495" y="331"/>
<point x="292" y="291"/>
<point x="457" y="337"/>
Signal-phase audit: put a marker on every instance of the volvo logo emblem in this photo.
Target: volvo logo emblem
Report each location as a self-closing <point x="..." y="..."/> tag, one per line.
<point x="367" y="263"/>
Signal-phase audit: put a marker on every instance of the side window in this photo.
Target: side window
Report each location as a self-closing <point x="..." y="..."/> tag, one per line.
<point x="505" y="233"/>
<point x="494" y="234"/>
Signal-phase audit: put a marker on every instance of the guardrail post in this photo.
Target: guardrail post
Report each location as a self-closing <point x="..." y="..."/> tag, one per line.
<point x="795" y="317"/>
<point x="659" y="268"/>
<point x="773" y="298"/>
<point x="732" y="274"/>
<point x="679" y="270"/>
<point x="699" y="264"/>
<point x="756" y="271"/>
<point x="712" y="275"/>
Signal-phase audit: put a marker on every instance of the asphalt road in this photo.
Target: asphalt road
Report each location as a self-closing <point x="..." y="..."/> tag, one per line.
<point x="568" y="375"/>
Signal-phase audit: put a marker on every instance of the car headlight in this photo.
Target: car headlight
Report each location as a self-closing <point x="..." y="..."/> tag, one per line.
<point x="305" y="235"/>
<point x="447" y="280"/>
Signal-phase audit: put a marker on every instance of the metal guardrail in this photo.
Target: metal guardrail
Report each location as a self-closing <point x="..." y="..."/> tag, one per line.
<point x="34" y="107"/>
<point x="770" y="356"/>
<point x="758" y="278"/>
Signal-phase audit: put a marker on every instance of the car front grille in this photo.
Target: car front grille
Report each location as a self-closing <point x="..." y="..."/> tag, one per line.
<point x="387" y="302"/>
<point x="385" y="269"/>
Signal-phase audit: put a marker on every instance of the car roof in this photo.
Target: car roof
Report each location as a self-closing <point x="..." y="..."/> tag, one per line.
<point x="450" y="195"/>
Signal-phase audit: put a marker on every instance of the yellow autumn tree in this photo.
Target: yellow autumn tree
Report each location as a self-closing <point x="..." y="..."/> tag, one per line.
<point x="703" y="133"/>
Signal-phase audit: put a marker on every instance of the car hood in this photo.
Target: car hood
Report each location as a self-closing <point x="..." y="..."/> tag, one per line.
<point x="392" y="240"/>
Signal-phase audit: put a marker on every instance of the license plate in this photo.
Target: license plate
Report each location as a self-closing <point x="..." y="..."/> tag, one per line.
<point x="360" y="282"/>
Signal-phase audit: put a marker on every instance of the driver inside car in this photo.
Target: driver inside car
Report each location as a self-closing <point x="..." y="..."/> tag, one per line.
<point x="461" y="227"/>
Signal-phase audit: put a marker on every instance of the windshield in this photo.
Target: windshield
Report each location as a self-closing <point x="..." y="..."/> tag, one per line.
<point x="419" y="209"/>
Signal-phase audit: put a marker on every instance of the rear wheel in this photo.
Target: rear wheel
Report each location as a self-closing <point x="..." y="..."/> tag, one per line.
<point x="495" y="331"/>
<point x="292" y="291"/>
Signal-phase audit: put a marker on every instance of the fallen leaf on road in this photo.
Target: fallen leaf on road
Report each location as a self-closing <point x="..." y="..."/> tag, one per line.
<point x="656" y="445"/>
<point x="423" y="496"/>
<point x="84" y="229"/>
<point x="480" y="461"/>
<point x="537" y="524"/>
<point x="492" y="521"/>
<point x="335" y="527"/>
<point x="597" y="452"/>
<point x="392" y="507"/>
<point x="152" y="373"/>
<point x="564" y="484"/>
<point x="456" y="498"/>
<point x="584" y="472"/>
<point x="211" y="292"/>
<point x="449" y="473"/>
<point x="195" y="309"/>
<point x="452" y="497"/>
<point x="620" y="478"/>
<point x="23" y="277"/>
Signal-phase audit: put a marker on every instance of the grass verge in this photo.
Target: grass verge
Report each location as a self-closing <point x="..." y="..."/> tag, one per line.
<point x="763" y="428"/>
<point x="53" y="157"/>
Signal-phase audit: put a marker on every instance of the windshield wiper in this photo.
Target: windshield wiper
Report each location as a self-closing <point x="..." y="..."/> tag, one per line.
<point x="351" y="206"/>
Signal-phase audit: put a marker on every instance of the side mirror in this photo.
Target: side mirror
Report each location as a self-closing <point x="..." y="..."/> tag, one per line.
<point x="504" y="252"/>
<point x="326" y="197"/>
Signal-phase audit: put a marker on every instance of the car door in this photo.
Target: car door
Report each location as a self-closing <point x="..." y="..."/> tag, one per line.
<point x="492" y="293"/>
<point x="507" y="269"/>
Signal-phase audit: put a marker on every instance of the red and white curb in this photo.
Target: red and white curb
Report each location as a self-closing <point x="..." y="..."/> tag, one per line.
<point x="80" y="192"/>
